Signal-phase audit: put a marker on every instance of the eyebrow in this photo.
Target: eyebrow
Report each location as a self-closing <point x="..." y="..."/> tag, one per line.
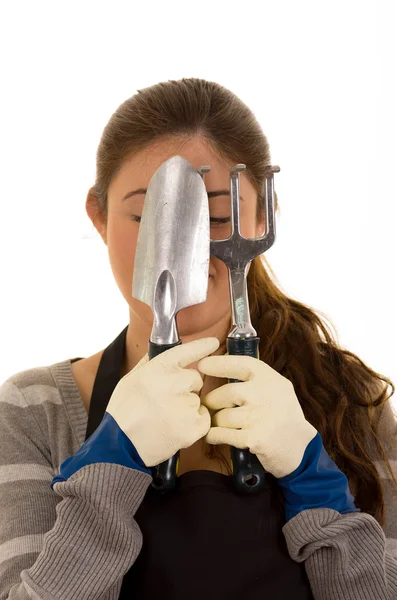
<point x="210" y="194"/>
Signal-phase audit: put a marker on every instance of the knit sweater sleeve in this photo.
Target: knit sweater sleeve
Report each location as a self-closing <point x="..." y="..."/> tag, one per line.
<point x="345" y="555"/>
<point x="350" y="556"/>
<point x="75" y="541"/>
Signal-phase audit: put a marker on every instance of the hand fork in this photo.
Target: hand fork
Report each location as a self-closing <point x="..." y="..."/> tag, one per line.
<point x="237" y="252"/>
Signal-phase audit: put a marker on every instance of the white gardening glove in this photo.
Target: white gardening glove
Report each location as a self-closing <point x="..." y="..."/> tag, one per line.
<point x="261" y="412"/>
<point x="154" y="411"/>
<point x="157" y="404"/>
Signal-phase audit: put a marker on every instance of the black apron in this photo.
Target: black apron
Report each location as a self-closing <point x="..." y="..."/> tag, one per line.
<point x="203" y="539"/>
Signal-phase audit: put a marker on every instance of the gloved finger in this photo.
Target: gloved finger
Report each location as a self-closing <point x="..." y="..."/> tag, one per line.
<point x="185" y="354"/>
<point x="230" y="366"/>
<point x="226" y="396"/>
<point x="231" y="437"/>
<point x="239" y="417"/>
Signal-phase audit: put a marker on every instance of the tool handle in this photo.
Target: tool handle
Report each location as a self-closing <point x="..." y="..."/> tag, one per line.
<point x="164" y="474"/>
<point x="248" y="472"/>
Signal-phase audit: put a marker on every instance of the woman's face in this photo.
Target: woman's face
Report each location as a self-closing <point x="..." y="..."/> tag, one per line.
<point x="121" y="232"/>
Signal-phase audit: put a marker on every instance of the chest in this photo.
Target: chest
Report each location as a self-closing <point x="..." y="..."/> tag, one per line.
<point x="194" y="459"/>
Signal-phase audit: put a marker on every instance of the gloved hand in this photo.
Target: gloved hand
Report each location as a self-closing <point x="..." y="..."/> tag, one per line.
<point x="262" y="413"/>
<point x="158" y="406"/>
<point x="154" y="411"/>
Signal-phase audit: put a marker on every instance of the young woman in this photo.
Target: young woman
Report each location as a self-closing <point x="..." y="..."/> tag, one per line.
<point x="79" y="517"/>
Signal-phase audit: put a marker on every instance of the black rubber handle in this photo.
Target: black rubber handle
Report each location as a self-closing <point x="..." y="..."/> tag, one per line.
<point x="164" y="474"/>
<point x="248" y="472"/>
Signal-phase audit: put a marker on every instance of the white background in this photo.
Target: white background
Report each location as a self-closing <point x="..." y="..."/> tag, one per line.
<point x="318" y="75"/>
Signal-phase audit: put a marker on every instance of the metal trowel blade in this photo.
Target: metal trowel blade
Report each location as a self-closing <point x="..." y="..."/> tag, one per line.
<point x="173" y="246"/>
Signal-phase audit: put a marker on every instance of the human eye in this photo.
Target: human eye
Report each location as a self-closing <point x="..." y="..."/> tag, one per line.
<point x="214" y="220"/>
<point x="220" y="220"/>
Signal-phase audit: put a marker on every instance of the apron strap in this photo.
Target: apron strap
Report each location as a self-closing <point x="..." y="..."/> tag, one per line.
<point x="107" y="377"/>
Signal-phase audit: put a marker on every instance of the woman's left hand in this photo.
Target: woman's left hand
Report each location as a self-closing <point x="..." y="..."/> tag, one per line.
<point x="261" y="412"/>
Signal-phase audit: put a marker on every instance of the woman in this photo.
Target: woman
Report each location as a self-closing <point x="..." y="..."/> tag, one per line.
<point x="86" y="522"/>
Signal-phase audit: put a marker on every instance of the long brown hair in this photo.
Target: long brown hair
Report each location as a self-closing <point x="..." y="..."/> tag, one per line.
<point x="341" y="396"/>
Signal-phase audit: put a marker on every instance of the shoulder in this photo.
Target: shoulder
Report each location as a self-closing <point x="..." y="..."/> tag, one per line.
<point x="43" y="398"/>
<point x="385" y="425"/>
<point x="386" y="428"/>
<point x="41" y="410"/>
<point x="31" y="377"/>
<point x="29" y="401"/>
<point x="37" y="381"/>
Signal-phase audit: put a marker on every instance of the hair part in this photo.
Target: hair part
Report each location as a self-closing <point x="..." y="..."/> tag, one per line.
<point x="342" y="397"/>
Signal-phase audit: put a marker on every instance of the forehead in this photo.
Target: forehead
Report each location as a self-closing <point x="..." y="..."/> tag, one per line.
<point x="138" y="169"/>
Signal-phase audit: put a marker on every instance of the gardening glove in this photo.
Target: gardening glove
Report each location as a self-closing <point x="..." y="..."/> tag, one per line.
<point x="262" y="413"/>
<point x="154" y="411"/>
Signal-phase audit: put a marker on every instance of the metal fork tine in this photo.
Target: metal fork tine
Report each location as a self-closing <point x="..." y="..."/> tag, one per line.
<point x="237" y="251"/>
<point x="235" y="200"/>
<point x="270" y="205"/>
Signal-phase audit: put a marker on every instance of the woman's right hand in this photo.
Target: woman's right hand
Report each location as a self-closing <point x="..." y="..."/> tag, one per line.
<point x="157" y="404"/>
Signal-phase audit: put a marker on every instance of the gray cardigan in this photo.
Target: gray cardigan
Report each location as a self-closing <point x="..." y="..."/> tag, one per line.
<point x="78" y="540"/>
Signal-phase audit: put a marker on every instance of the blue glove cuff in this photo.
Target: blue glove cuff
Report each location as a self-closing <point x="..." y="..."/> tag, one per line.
<point x="108" y="444"/>
<point x="316" y="483"/>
